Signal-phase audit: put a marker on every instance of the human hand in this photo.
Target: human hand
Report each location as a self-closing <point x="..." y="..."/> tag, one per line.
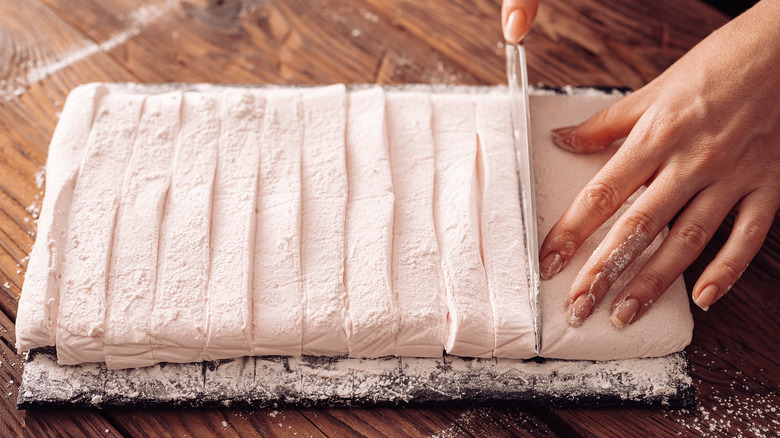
<point x="703" y="137"/>
<point x="516" y="18"/>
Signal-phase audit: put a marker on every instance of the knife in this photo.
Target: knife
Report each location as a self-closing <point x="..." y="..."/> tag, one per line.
<point x="517" y="77"/>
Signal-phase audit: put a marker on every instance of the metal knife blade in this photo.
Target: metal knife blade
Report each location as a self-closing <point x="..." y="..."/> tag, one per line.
<point x="517" y="77"/>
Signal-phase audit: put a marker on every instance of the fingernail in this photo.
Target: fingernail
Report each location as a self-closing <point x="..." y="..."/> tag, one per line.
<point x="625" y="312"/>
<point x="707" y="296"/>
<point x="551" y="265"/>
<point x="514" y="29"/>
<point x="566" y="139"/>
<point x="579" y="310"/>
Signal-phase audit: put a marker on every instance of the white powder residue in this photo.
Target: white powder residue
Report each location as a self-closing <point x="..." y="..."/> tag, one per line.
<point x="444" y="73"/>
<point x="756" y="415"/>
<point x="40" y="177"/>
<point x="619" y="259"/>
<point x="34" y="209"/>
<point x="369" y="16"/>
<point x="39" y="69"/>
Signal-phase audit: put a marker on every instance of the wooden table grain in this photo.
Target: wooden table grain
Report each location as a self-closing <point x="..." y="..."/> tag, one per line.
<point x="47" y="47"/>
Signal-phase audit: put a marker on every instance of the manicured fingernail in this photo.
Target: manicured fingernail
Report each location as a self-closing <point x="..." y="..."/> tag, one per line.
<point x="625" y="312"/>
<point x="579" y="310"/>
<point x="550" y="265"/>
<point x="565" y="139"/>
<point x="514" y="29"/>
<point x="707" y="296"/>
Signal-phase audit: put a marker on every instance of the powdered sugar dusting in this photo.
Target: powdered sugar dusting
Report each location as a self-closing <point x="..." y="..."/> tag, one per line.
<point x="625" y="253"/>
<point x="40" y="178"/>
<point x="756" y="415"/>
<point x="39" y="68"/>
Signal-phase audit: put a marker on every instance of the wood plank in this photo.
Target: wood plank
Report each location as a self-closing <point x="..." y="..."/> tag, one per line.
<point x="494" y="421"/>
<point x="404" y="421"/>
<point x="589" y="42"/>
<point x="288" y="42"/>
<point x="226" y="422"/>
<point x="414" y="422"/>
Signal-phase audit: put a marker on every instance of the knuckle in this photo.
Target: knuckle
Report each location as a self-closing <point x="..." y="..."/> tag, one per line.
<point x="601" y="197"/>
<point x="692" y="236"/>
<point x="731" y="269"/>
<point x="651" y="282"/>
<point x="641" y="222"/>
<point x="753" y="233"/>
<point x="701" y="163"/>
<point x="660" y="122"/>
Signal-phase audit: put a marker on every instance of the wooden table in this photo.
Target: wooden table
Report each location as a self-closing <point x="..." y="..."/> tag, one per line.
<point x="47" y="47"/>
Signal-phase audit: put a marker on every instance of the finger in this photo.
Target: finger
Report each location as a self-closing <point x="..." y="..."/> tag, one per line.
<point x="685" y="242"/>
<point x="754" y="219"/>
<point x="516" y="18"/>
<point x="603" y="128"/>
<point x="625" y="172"/>
<point x="633" y="232"/>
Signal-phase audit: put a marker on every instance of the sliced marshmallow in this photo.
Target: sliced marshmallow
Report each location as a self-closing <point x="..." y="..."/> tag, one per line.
<point x="503" y="242"/>
<point x="323" y="206"/>
<point x="418" y="282"/>
<point x="372" y="312"/>
<point x="229" y="293"/>
<point x="36" y="322"/>
<point x="178" y="317"/>
<point x="131" y="281"/>
<point x="456" y="217"/>
<point x="277" y="286"/>
<point x="80" y="324"/>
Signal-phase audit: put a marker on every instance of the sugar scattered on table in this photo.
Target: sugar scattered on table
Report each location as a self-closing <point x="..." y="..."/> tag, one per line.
<point x="40" y="177"/>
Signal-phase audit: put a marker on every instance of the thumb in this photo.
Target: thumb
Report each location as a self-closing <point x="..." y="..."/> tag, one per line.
<point x="516" y="18"/>
<point x="601" y="129"/>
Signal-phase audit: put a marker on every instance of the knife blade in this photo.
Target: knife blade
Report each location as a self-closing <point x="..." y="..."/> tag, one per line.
<point x="517" y="78"/>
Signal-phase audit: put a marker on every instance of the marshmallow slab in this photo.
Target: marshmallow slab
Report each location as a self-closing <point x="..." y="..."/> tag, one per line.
<point x="560" y="175"/>
<point x="210" y="222"/>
